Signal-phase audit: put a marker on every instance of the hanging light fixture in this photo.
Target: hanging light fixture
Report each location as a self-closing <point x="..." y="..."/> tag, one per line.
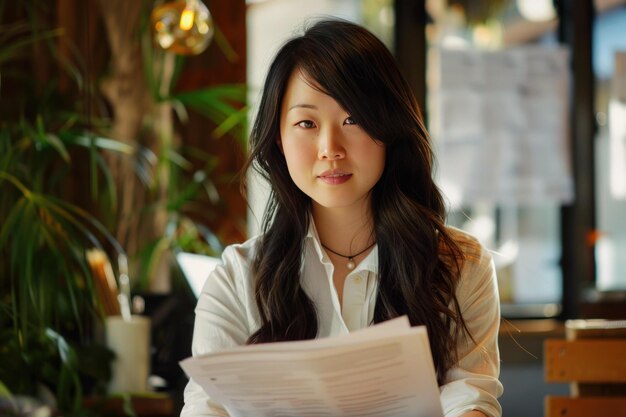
<point x="536" y="10"/>
<point x="182" y="26"/>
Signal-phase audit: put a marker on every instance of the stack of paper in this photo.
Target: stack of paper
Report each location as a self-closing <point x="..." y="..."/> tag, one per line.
<point x="384" y="370"/>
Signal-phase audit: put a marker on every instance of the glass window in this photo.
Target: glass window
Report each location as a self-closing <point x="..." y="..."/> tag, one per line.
<point x="497" y="111"/>
<point x="609" y="66"/>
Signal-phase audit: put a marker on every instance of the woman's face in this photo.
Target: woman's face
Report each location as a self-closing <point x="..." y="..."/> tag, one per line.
<point x="329" y="157"/>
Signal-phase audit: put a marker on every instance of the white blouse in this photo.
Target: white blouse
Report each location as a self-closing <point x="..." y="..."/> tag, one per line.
<point x="226" y="315"/>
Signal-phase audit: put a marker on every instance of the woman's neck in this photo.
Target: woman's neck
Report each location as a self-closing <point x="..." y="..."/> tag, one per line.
<point x="343" y="230"/>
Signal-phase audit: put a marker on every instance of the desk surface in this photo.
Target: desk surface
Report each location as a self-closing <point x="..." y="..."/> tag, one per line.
<point x="521" y="341"/>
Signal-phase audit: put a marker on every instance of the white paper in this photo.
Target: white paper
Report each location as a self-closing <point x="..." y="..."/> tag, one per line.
<point x="384" y="370"/>
<point x="500" y="124"/>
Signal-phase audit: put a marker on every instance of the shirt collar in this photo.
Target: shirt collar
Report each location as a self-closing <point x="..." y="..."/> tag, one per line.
<point x="370" y="263"/>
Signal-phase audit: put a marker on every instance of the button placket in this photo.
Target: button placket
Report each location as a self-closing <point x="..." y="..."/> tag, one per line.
<point x="354" y="300"/>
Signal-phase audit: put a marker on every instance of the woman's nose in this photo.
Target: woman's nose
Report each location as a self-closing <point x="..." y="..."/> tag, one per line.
<point x="330" y="145"/>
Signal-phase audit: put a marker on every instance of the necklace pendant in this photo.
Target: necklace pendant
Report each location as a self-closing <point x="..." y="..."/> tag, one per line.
<point x="350" y="264"/>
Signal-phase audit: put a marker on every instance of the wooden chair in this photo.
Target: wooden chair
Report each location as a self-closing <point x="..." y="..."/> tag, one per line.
<point x="593" y="360"/>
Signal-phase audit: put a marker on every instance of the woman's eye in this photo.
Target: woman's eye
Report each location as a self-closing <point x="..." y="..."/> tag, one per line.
<point x="349" y="121"/>
<point x="306" y="124"/>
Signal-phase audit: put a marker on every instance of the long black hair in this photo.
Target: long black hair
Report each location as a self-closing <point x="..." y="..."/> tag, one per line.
<point x="419" y="262"/>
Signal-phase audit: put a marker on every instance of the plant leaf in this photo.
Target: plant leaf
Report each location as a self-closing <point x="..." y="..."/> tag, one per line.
<point x="57" y="144"/>
<point x="215" y="102"/>
<point x="4" y="391"/>
<point x="10" y="50"/>
<point x="66" y="353"/>
<point x="102" y="143"/>
<point x="231" y="122"/>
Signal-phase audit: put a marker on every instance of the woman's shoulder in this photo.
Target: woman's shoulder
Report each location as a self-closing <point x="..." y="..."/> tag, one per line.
<point x="471" y="248"/>
<point x="240" y="253"/>
<point x="233" y="272"/>
<point x="477" y="273"/>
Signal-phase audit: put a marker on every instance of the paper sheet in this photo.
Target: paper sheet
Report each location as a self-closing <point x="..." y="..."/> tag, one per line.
<point x="385" y="370"/>
<point x="500" y="124"/>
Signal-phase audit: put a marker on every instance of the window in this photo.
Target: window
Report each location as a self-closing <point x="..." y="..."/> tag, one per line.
<point x="501" y="136"/>
<point x="609" y="67"/>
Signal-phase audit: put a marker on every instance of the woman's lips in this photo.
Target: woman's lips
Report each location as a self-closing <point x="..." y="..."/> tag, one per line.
<point x="334" y="177"/>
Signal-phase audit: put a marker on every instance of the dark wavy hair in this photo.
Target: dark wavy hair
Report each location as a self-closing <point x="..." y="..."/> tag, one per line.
<point x="419" y="263"/>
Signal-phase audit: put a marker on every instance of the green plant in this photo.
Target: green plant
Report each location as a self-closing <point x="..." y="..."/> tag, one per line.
<point x="163" y="213"/>
<point x="46" y="294"/>
<point x="58" y="198"/>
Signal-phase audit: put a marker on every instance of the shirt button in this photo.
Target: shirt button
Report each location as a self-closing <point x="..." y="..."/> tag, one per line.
<point x="357" y="279"/>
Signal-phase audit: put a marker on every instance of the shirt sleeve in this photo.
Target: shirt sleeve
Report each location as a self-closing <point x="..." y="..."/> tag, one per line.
<point x="222" y="321"/>
<point x="472" y="384"/>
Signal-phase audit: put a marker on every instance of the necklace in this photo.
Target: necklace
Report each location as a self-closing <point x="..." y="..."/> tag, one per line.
<point x="350" y="265"/>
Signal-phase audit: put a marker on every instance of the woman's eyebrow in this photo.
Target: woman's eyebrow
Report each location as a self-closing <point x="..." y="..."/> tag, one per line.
<point x="303" y="105"/>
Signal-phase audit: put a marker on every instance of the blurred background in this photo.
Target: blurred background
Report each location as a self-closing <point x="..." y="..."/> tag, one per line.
<point x="123" y="127"/>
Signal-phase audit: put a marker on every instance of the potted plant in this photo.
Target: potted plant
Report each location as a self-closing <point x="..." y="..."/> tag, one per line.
<point x="59" y="192"/>
<point x="46" y="346"/>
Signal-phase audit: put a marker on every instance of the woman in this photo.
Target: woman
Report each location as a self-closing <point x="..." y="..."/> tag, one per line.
<point x="354" y="231"/>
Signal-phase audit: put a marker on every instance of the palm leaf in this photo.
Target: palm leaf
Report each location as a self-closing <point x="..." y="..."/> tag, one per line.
<point x="223" y="104"/>
<point x="5" y="394"/>
<point x="69" y="385"/>
<point x="11" y="50"/>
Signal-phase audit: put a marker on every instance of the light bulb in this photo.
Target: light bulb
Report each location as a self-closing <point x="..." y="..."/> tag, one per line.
<point x="536" y="10"/>
<point x="182" y="26"/>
